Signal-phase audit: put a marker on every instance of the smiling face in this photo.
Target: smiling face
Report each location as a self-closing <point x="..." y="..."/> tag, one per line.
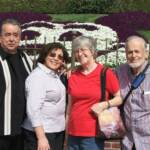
<point x="136" y="53"/>
<point x="84" y="50"/>
<point x="10" y="38"/>
<point x="84" y="55"/>
<point x="54" y="59"/>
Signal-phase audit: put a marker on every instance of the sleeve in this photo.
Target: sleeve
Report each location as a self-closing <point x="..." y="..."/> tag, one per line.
<point x="2" y="85"/>
<point x="112" y="83"/>
<point x="35" y="95"/>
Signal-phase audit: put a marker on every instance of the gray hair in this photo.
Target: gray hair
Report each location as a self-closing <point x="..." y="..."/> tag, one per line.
<point x="9" y="21"/>
<point x="82" y="41"/>
<point x="135" y="37"/>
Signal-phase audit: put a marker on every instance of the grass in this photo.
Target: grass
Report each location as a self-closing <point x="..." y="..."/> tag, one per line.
<point x="82" y="18"/>
<point x="145" y="33"/>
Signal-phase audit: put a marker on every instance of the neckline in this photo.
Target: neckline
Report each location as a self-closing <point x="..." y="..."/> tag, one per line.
<point x="86" y="75"/>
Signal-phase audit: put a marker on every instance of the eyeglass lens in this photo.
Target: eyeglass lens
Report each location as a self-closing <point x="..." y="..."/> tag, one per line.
<point x="60" y="57"/>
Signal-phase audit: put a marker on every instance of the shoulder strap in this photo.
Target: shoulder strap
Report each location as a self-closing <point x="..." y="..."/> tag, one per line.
<point x="103" y="83"/>
<point x="136" y="83"/>
<point x="139" y="79"/>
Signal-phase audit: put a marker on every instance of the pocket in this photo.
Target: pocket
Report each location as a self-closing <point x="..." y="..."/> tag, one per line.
<point x="146" y="100"/>
<point x="142" y="99"/>
<point x="145" y="139"/>
<point x="143" y="127"/>
<point x="52" y="96"/>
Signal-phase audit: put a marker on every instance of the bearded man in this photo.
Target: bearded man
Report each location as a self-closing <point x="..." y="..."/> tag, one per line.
<point x="137" y="106"/>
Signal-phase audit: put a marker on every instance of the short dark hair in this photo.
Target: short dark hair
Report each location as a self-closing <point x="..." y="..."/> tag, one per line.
<point x="50" y="47"/>
<point x="9" y="21"/>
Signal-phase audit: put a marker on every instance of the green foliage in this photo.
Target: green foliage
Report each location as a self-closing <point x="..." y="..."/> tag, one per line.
<point x="75" y="17"/>
<point x="88" y="6"/>
<point x="145" y="33"/>
<point x="42" y="6"/>
<point x="111" y="65"/>
<point x="74" y="6"/>
<point x="130" y="5"/>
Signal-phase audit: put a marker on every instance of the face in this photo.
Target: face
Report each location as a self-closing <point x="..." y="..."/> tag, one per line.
<point x="136" y="54"/>
<point x="54" y="59"/>
<point x="10" y="38"/>
<point x="84" y="55"/>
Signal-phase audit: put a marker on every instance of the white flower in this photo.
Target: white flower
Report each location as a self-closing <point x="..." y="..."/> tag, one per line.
<point x="105" y="36"/>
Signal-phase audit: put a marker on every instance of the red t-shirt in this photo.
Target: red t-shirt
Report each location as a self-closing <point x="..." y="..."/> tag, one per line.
<point x="85" y="91"/>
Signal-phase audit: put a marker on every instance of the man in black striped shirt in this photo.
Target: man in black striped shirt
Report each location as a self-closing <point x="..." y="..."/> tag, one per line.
<point x="14" y="68"/>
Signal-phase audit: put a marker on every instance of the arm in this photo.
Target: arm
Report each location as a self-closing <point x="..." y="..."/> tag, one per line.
<point x="112" y="85"/>
<point x="35" y="99"/>
<point x="67" y="118"/>
<point x="68" y="111"/>
<point x="115" y="101"/>
<point x="35" y="95"/>
<point x="41" y="139"/>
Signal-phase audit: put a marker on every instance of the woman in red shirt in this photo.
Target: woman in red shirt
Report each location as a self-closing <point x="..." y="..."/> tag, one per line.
<point x="84" y="102"/>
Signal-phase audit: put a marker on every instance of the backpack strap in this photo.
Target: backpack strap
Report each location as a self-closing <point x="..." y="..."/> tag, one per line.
<point x="103" y="83"/>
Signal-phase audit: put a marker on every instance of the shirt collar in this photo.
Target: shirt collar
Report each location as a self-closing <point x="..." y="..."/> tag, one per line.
<point x="3" y="54"/>
<point x="47" y="70"/>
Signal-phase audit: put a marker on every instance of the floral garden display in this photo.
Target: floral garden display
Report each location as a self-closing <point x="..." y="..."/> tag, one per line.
<point x="107" y="31"/>
<point x="106" y="38"/>
<point x="126" y="23"/>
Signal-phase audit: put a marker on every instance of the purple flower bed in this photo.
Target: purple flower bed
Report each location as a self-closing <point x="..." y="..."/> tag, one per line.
<point x="30" y="34"/>
<point x="126" y="24"/>
<point x="68" y="36"/>
<point x="87" y="27"/>
<point x="38" y="24"/>
<point x="25" y="17"/>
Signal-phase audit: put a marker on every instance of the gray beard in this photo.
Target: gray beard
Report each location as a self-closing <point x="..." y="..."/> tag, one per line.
<point x="136" y="65"/>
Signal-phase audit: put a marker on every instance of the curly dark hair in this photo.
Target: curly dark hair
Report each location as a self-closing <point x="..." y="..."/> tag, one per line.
<point x="50" y="47"/>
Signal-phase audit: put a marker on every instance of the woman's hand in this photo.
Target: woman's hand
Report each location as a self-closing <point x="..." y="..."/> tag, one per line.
<point x="43" y="144"/>
<point x="66" y="141"/>
<point x="99" y="107"/>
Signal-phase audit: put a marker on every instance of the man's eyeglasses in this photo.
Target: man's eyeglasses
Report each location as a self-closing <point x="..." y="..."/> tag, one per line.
<point x="60" y="57"/>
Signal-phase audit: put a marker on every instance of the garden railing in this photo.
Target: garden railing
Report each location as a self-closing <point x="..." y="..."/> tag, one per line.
<point x="36" y="48"/>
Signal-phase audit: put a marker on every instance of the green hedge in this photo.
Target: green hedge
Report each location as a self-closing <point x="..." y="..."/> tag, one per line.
<point x="74" y="6"/>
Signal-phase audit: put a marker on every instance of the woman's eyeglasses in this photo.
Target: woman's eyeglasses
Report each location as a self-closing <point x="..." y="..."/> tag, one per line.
<point x="81" y="50"/>
<point x="60" y="57"/>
